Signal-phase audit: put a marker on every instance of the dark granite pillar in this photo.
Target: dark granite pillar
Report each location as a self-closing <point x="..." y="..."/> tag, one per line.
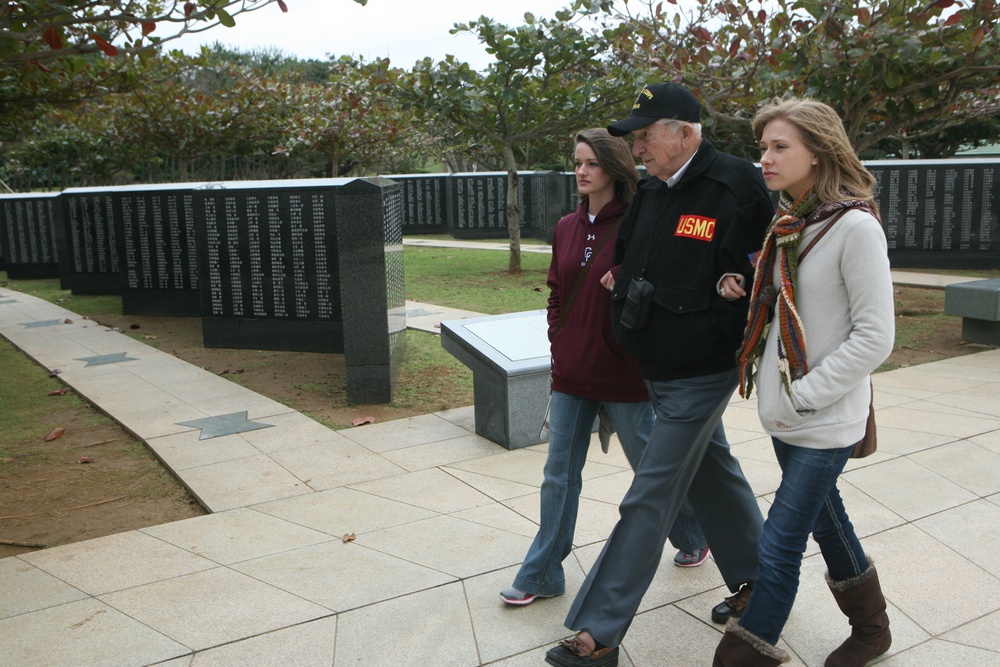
<point x="370" y="253"/>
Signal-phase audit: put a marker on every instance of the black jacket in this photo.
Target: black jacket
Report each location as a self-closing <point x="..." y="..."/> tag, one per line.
<point x="682" y="240"/>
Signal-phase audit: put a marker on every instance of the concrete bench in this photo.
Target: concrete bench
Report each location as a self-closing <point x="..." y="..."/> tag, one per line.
<point x="511" y="366"/>
<point x="978" y="304"/>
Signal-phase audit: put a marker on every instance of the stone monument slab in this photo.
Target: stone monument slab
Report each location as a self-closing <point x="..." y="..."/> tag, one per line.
<point x="369" y="229"/>
<point x="425" y="198"/>
<point x="309" y="266"/>
<point x="940" y="213"/>
<point x="90" y="240"/>
<point x="29" y="224"/>
<point x="158" y="247"/>
<point x="268" y="265"/>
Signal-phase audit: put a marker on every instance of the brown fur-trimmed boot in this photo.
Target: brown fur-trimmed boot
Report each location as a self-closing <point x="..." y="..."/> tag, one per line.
<point x="861" y="600"/>
<point x="741" y="648"/>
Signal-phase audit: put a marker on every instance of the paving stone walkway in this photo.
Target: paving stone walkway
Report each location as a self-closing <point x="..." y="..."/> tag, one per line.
<point x="443" y="517"/>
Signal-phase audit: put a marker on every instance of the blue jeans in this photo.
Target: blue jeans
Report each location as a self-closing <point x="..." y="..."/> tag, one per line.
<point x="571" y="422"/>
<point x="807" y="501"/>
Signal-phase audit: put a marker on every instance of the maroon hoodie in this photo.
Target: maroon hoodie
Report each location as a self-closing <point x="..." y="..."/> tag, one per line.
<point x="586" y="360"/>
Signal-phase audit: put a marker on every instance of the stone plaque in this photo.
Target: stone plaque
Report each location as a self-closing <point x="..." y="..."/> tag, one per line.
<point x="940" y="213"/>
<point x="158" y="247"/>
<point x="425" y="198"/>
<point x="28" y="228"/>
<point x="310" y="266"/>
<point x="91" y="240"/>
<point x="268" y="265"/>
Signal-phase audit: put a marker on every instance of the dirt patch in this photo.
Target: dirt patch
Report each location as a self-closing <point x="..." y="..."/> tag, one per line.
<point x="923" y="332"/>
<point x="56" y="499"/>
<point x="95" y="479"/>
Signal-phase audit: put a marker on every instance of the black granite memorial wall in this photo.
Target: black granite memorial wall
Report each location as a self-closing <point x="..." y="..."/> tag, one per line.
<point x="157" y="246"/>
<point x="936" y="213"/>
<point x="310" y="266"/>
<point x="940" y="213"/>
<point x="425" y="202"/>
<point x="477" y="205"/>
<point x="28" y="228"/>
<point x="90" y="246"/>
<point x="548" y="200"/>
<point x="268" y="265"/>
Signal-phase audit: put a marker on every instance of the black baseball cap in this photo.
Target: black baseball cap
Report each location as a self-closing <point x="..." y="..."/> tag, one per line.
<point x="661" y="100"/>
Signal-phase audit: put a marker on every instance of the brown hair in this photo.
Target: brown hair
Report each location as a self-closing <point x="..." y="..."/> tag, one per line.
<point x="615" y="158"/>
<point x="839" y="173"/>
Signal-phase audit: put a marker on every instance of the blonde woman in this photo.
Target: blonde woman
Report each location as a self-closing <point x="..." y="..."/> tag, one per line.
<point x="832" y="320"/>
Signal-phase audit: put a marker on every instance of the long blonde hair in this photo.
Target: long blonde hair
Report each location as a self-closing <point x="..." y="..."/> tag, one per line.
<point x="839" y="173"/>
<point x="615" y="158"/>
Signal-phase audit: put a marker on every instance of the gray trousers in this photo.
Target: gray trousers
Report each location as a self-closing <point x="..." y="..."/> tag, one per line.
<point x="687" y="454"/>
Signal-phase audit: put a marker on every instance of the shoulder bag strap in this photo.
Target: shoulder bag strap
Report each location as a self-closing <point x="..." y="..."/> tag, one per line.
<point x="564" y="308"/>
<point x="822" y="232"/>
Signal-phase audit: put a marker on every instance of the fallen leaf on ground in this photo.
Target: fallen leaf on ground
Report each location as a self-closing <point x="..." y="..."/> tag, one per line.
<point x="363" y="420"/>
<point x="147" y="337"/>
<point x="224" y="372"/>
<point x="67" y="321"/>
<point x="134" y="326"/>
<point x="85" y="459"/>
<point x="350" y="537"/>
<point x="59" y="392"/>
<point x="55" y="372"/>
<point x="56" y="433"/>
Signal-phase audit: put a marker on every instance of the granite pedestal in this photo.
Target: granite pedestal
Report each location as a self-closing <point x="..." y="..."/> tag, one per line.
<point x="978" y="304"/>
<point x="511" y="365"/>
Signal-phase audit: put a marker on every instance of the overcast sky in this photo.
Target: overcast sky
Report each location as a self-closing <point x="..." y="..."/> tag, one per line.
<point x="403" y="30"/>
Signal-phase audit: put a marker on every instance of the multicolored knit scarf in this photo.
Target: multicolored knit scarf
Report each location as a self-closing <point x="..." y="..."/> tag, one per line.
<point x="785" y="233"/>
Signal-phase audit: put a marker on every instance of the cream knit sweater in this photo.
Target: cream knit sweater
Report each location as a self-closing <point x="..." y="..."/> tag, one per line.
<point x="845" y="299"/>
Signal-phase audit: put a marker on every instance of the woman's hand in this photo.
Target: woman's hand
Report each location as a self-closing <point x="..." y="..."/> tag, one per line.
<point x="730" y="289"/>
<point x="608" y="280"/>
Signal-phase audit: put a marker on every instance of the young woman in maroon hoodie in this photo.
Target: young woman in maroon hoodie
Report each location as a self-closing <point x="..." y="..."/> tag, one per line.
<point x="589" y="369"/>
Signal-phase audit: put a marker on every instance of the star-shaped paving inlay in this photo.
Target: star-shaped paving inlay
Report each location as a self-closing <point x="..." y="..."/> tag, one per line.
<point x="101" y="359"/>
<point x="42" y="323"/>
<point x="420" y="312"/>
<point x="234" y="422"/>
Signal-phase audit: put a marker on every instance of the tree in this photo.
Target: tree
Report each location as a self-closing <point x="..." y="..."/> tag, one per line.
<point x="183" y="119"/>
<point x="548" y="79"/>
<point x="353" y="119"/>
<point x="59" y="153"/>
<point x="54" y="52"/>
<point x="896" y="70"/>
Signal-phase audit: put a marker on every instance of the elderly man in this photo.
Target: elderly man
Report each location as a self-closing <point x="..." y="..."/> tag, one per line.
<point x="684" y="255"/>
